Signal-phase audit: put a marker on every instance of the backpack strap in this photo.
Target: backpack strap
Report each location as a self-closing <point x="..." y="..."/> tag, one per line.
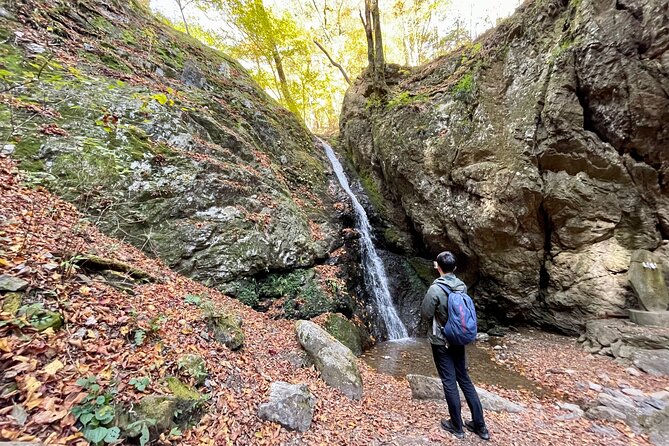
<point x="447" y="290"/>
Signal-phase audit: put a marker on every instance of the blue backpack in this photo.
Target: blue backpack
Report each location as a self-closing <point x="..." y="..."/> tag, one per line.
<point x="460" y="328"/>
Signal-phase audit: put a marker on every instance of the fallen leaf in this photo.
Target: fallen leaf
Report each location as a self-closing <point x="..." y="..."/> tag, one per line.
<point x="48" y="416"/>
<point x="19" y="414"/>
<point x="53" y="367"/>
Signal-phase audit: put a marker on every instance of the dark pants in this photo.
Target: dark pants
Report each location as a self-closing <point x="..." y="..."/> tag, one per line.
<point x="450" y="364"/>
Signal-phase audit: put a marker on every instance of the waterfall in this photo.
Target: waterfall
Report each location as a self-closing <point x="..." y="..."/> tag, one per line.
<point x="374" y="273"/>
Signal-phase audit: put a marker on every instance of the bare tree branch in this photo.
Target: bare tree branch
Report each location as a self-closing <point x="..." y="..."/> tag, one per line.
<point x="343" y="72"/>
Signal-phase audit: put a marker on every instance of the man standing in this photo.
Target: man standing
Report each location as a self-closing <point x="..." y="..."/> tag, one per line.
<point x="450" y="359"/>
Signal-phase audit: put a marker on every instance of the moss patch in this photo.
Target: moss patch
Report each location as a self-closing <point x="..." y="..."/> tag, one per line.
<point x="424" y="270"/>
<point x="345" y="332"/>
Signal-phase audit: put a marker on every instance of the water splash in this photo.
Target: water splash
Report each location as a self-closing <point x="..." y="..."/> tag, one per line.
<point x="374" y="272"/>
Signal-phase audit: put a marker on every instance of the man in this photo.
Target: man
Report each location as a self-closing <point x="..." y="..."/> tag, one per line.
<point x="450" y="359"/>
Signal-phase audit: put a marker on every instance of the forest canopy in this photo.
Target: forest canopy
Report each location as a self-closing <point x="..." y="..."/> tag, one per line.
<point x="305" y="53"/>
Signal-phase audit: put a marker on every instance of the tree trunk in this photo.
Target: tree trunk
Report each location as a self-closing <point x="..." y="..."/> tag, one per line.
<point x="379" y="62"/>
<point x="367" y="23"/>
<point x="283" y="82"/>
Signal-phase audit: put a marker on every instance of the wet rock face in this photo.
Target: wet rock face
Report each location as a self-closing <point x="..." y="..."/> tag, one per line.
<point x="195" y="164"/>
<point x="536" y="156"/>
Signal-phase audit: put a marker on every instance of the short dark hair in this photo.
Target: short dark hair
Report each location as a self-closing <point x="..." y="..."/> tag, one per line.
<point x="446" y="261"/>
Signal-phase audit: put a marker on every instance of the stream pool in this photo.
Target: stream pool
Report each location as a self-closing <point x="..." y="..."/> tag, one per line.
<point x="414" y="356"/>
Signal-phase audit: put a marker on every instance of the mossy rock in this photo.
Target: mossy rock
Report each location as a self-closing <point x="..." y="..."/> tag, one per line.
<point x="11" y="303"/>
<point x="227" y="330"/>
<point x="345" y="332"/>
<point x="424" y="270"/>
<point x="190" y="404"/>
<point x="194" y="367"/>
<point x="42" y="319"/>
<point x="181" y="390"/>
<point x="154" y="412"/>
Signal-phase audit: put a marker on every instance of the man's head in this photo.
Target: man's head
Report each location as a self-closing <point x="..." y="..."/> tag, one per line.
<point x="446" y="262"/>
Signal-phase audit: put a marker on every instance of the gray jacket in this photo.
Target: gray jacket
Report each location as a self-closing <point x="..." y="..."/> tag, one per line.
<point x="434" y="308"/>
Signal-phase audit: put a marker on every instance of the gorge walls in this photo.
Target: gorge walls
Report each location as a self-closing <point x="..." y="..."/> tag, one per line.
<point x="538" y="154"/>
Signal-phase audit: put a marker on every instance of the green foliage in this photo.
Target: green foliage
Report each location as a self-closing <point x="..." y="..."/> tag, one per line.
<point x="464" y="88"/>
<point x="280" y="285"/>
<point x="143" y="427"/>
<point x="373" y="102"/>
<point x="193" y="299"/>
<point x="566" y="43"/>
<point x="154" y="325"/>
<point x="128" y="37"/>
<point x="373" y="192"/>
<point x="334" y="286"/>
<point x="405" y="98"/>
<point x="309" y="302"/>
<point x="248" y="296"/>
<point x="96" y="413"/>
<point x="140" y="383"/>
<point x="193" y="366"/>
<point x="139" y="337"/>
<point x="175" y="432"/>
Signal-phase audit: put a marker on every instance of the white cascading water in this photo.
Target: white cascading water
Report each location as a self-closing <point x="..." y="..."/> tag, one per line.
<point x="374" y="273"/>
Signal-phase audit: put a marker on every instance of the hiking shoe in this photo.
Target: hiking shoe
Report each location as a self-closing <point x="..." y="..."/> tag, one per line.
<point x="482" y="433"/>
<point x="448" y="426"/>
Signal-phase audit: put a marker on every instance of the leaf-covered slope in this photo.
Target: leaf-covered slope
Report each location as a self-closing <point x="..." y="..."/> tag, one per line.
<point x="47" y="374"/>
<point x="163" y="141"/>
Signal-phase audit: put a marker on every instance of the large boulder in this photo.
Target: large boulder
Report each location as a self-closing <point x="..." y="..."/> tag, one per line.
<point x="620" y="338"/>
<point x="654" y="362"/>
<point x="429" y="388"/>
<point x="291" y="405"/>
<point x="345" y="332"/>
<point x="334" y="360"/>
<point x="530" y="155"/>
<point x="647" y="280"/>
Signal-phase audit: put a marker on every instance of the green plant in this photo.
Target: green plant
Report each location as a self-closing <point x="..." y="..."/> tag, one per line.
<point x="465" y="87"/>
<point x="334" y="286"/>
<point x="143" y="427"/>
<point x="405" y="98"/>
<point x="140" y="383"/>
<point x="96" y="413"/>
<point x="175" y="432"/>
<point x="373" y="102"/>
<point x="69" y="265"/>
<point x="139" y="337"/>
<point x="141" y="333"/>
<point x="156" y="323"/>
<point x="248" y="296"/>
<point x="193" y="299"/>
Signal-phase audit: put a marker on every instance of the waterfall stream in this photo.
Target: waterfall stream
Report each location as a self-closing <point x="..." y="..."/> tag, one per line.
<point x="374" y="272"/>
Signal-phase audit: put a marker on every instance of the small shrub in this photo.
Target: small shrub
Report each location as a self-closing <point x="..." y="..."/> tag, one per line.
<point x="140" y="383"/>
<point x="96" y="413"/>
<point x="465" y="87"/>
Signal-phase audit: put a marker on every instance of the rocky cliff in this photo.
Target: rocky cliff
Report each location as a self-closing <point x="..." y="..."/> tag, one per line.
<point x="169" y="145"/>
<point x="538" y="153"/>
